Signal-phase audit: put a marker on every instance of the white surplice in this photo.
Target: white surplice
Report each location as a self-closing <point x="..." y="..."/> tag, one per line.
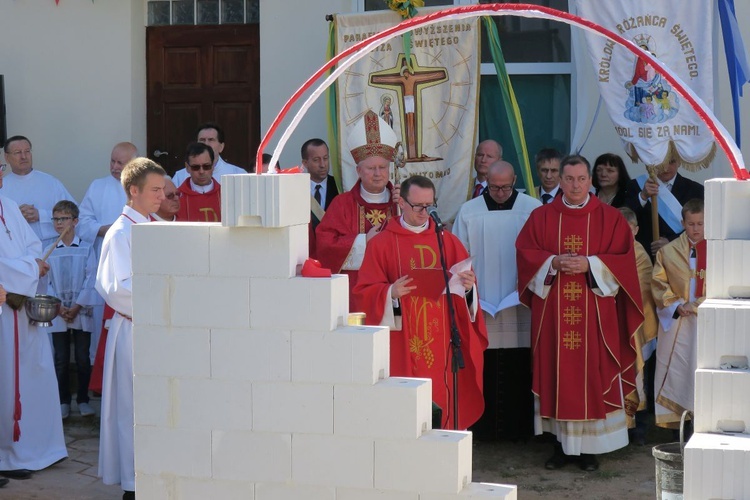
<point x="490" y="238"/>
<point x="114" y="283"/>
<point x="41" y="190"/>
<point x="71" y="279"/>
<point x="102" y="205"/>
<point x="41" y="442"/>
<point x="221" y="168"/>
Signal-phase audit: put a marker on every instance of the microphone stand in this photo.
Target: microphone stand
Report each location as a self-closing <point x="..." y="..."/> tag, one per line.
<point x="457" y="356"/>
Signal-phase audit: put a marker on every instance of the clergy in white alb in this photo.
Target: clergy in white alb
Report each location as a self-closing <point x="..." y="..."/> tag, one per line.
<point x="488" y="226"/>
<point x="31" y="433"/>
<point x="143" y="181"/>
<point x="35" y="192"/>
<point x="101" y="205"/>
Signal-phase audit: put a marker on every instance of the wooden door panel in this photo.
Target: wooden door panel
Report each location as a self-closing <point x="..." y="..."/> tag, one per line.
<point x="198" y="74"/>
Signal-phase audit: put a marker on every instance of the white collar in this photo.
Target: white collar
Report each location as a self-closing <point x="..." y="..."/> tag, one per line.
<point x="75" y="243"/>
<point x="414" y="229"/>
<point x="374" y="197"/>
<point x="201" y="189"/>
<point x="570" y="205"/>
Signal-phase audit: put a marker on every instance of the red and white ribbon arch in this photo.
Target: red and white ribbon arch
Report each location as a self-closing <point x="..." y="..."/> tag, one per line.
<point x="363" y="48"/>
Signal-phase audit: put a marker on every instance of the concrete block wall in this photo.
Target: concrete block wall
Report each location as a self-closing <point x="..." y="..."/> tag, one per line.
<point x="717" y="457"/>
<point x="248" y="382"/>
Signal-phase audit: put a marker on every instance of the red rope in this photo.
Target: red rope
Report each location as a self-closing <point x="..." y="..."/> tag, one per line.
<point x="17" y="408"/>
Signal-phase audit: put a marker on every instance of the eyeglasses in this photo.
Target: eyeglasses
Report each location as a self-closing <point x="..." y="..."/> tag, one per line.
<point x="19" y="153"/>
<point x="61" y="219"/>
<point x="3" y="167"/>
<point x="418" y="208"/>
<point x="504" y="189"/>
<point x="205" y="166"/>
<point x="171" y="196"/>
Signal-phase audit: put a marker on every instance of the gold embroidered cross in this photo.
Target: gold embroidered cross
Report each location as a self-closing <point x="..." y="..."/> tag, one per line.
<point x="573" y="243"/>
<point x="699" y="274"/>
<point x="376" y="217"/>
<point x="572" y="315"/>
<point x="572" y="340"/>
<point x="572" y="291"/>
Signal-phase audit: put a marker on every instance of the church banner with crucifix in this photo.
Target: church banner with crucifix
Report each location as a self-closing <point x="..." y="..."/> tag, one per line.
<point x="431" y="100"/>
<point x="653" y="122"/>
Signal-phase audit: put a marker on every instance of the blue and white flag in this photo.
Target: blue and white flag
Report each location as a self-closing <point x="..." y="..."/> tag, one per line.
<point x="654" y="123"/>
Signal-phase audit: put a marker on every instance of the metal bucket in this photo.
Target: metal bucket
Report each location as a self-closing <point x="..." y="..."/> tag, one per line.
<point x="669" y="465"/>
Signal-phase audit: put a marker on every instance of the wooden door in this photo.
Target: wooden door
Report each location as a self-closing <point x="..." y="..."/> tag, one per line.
<point x="198" y="74"/>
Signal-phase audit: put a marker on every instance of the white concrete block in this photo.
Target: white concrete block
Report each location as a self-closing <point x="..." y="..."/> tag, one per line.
<point x="257" y="251"/>
<point x="392" y="408"/>
<point x="171" y="352"/>
<point x="728" y="269"/>
<point x="213" y="404"/>
<point x="299" y="303"/>
<point x="251" y="355"/>
<point x="200" y="489"/>
<point x="477" y="491"/>
<point x="333" y="460"/>
<point x="293" y="407"/>
<point x="252" y="456"/>
<point x="152" y="401"/>
<point x="439" y="461"/>
<point x="725" y="199"/>
<point x="171" y="248"/>
<point x="211" y="302"/>
<point x="151" y="300"/>
<point x="275" y="491"/>
<point x="356" y="354"/>
<point x="717" y="467"/>
<point x="155" y="486"/>
<point x="721" y="401"/>
<point x="370" y="494"/>
<point x="723" y="336"/>
<point x="265" y="200"/>
<point x="169" y="451"/>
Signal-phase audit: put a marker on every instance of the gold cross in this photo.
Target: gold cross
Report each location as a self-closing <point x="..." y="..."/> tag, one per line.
<point x="573" y="243"/>
<point x="699" y="274"/>
<point x="375" y="216"/>
<point x="572" y="340"/>
<point x="572" y="291"/>
<point x="572" y="315"/>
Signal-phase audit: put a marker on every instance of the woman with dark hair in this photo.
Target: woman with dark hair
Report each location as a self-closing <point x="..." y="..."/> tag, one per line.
<point x="610" y="178"/>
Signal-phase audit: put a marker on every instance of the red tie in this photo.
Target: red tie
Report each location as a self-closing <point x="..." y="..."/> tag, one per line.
<point x="477" y="190"/>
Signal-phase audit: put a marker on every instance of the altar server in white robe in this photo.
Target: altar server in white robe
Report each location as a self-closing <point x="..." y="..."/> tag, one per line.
<point x="35" y="192"/>
<point x="31" y="433"/>
<point x="101" y="206"/>
<point x="488" y="226"/>
<point x="143" y="182"/>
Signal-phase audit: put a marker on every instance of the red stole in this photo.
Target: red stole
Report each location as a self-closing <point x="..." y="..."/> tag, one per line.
<point x="421" y="347"/>
<point x="199" y="207"/>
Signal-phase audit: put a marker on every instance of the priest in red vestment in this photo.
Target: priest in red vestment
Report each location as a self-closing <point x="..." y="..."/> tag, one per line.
<point x="420" y="326"/>
<point x="355" y="216"/>
<point x="200" y="194"/>
<point x="577" y="273"/>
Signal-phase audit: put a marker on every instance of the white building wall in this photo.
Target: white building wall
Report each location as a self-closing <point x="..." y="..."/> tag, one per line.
<point x="75" y="82"/>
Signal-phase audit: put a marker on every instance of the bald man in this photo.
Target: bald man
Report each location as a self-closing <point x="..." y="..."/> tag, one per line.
<point x="170" y="205"/>
<point x="488" y="226"/>
<point x="100" y="207"/>
<point x="487" y="153"/>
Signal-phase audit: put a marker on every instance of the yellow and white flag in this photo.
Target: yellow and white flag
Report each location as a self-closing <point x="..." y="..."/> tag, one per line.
<point x="431" y="103"/>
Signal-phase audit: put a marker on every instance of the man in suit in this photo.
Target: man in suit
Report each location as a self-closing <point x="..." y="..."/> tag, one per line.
<point x="322" y="185"/>
<point x="487" y="153"/>
<point x="548" y="169"/>
<point x="673" y="191"/>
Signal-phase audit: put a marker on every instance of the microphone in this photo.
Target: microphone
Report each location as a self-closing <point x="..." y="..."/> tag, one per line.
<point x="433" y="213"/>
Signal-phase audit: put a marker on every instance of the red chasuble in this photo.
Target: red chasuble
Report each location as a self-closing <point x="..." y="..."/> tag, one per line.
<point x="346" y="217"/>
<point x="199" y="207"/>
<point x="421" y="348"/>
<point x="583" y="345"/>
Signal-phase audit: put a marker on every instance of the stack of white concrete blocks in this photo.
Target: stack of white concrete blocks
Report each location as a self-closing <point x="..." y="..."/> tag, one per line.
<point x="249" y="384"/>
<point x="717" y="458"/>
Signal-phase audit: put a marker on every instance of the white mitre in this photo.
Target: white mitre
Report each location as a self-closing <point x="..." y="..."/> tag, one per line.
<point x="372" y="136"/>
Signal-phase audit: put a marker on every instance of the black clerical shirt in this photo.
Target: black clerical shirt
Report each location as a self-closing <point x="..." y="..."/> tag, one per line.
<point x="493" y="205"/>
